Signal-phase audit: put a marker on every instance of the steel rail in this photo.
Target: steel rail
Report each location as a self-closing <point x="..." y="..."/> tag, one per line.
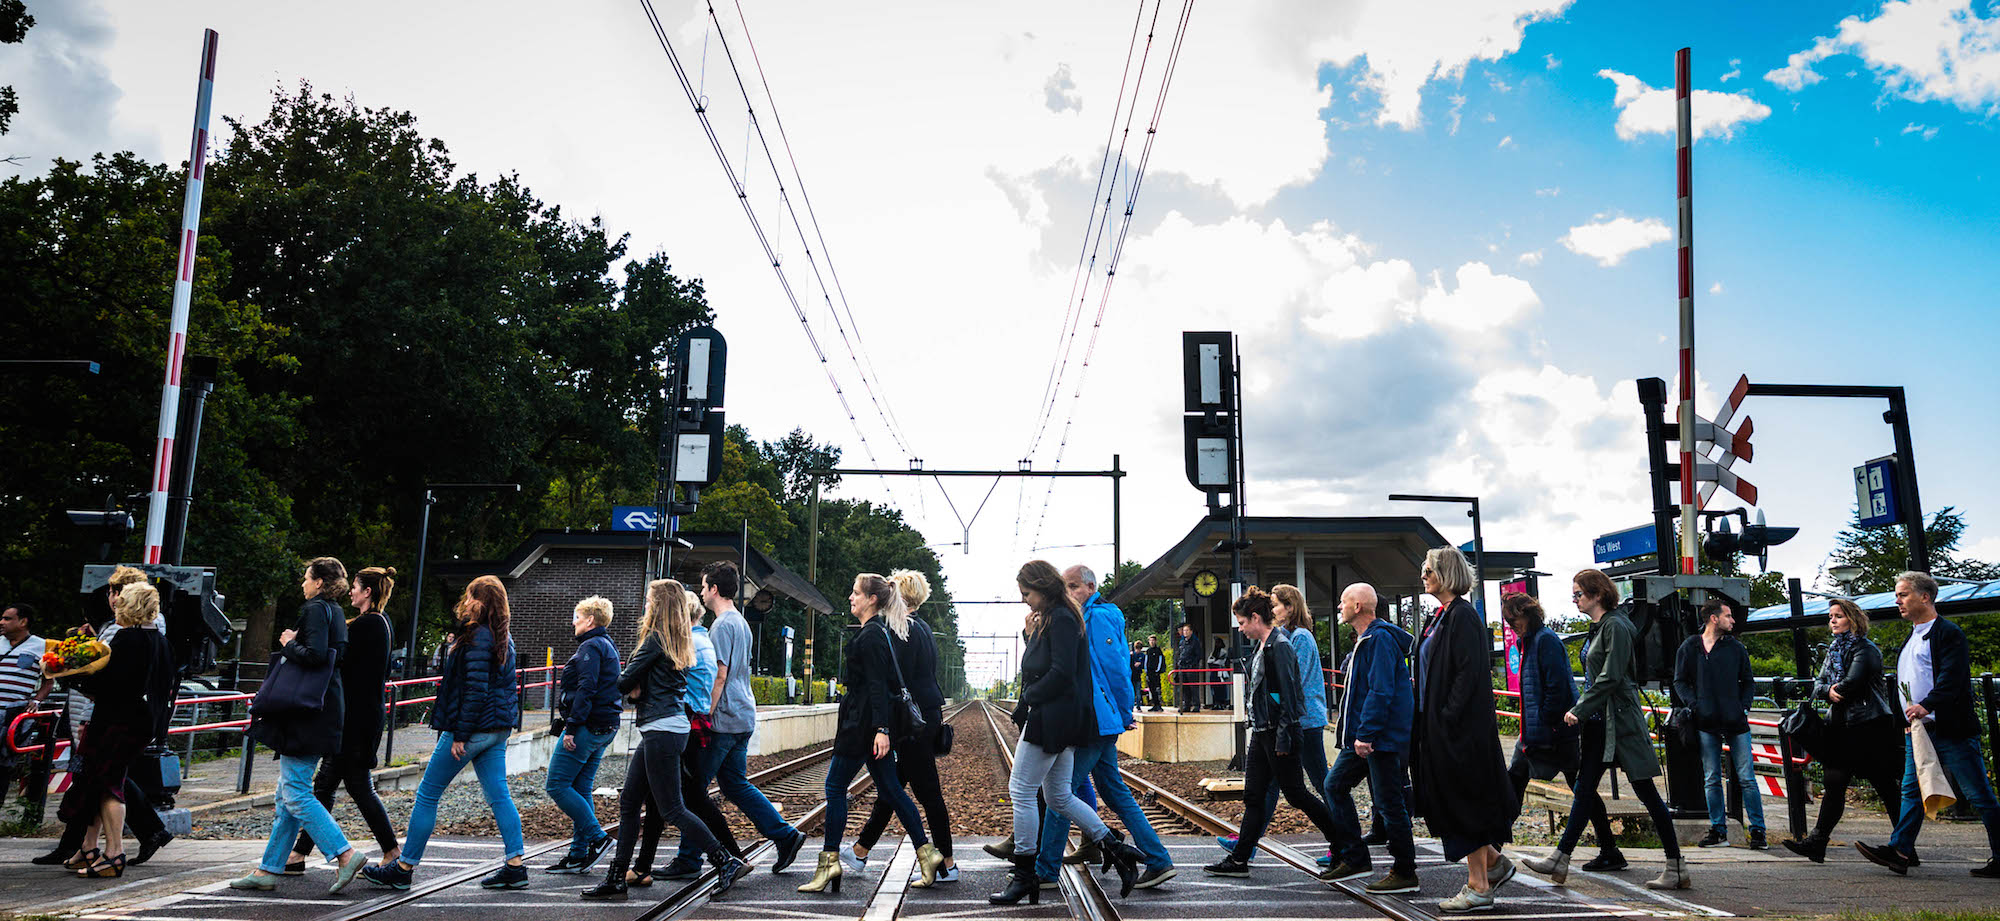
<point x="1080" y="889"/>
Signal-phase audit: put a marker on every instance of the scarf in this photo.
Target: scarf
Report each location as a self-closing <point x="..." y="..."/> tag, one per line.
<point x="1837" y="653"/>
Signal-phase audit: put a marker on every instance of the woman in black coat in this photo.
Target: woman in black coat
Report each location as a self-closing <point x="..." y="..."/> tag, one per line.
<point x="1861" y="738"/>
<point x="1457" y="771"/>
<point x="132" y="691"/>
<point x="916" y="758"/>
<point x="301" y="737"/>
<point x="1057" y="711"/>
<point x="364" y="672"/>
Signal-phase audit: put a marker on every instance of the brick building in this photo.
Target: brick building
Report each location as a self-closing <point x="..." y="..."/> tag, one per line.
<point x="555" y="568"/>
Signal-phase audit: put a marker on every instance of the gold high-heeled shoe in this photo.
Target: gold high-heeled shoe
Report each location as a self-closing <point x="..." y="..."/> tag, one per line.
<point x="826" y="875"/>
<point x="929" y="859"/>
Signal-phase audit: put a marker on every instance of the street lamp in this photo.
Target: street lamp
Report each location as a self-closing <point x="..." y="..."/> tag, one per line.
<point x="1845" y="576"/>
<point x="1478" y="539"/>
<point x="423" y="543"/>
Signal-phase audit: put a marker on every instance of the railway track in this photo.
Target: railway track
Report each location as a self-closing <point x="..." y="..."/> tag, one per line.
<point x="1087" y="901"/>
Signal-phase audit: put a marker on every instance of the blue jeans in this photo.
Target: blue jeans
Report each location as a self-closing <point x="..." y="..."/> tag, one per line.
<point x="572" y="775"/>
<point x="487" y="753"/>
<point x="841" y="773"/>
<point x="297" y="808"/>
<point x="1746" y="777"/>
<point x="726" y="762"/>
<point x="1098" y="762"/>
<point x="1313" y="758"/>
<point x="1961" y="761"/>
<point x="1384" y="772"/>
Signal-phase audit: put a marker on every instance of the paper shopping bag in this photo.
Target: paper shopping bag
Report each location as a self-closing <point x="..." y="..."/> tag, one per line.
<point x="1931" y="778"/>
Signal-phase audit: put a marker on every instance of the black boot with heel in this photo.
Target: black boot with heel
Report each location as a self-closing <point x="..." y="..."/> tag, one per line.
<point x="1020" y="882"/>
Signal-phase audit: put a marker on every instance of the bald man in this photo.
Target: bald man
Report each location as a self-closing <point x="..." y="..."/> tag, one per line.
<point x="1375" y="717"/>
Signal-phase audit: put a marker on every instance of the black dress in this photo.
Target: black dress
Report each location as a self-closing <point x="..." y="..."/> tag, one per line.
<point x="1456" y="768"/>
<point x="132" y="691"/>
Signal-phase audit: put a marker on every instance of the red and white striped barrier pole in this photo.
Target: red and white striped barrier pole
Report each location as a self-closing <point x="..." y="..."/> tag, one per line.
<point x="1684" y="130"/>
<point x="170" y="391"/>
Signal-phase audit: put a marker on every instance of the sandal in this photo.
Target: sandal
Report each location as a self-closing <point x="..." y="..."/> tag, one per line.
<point x="639" y="877"/>
<point x="104" y="868"/>
<point x="82" y="859"/>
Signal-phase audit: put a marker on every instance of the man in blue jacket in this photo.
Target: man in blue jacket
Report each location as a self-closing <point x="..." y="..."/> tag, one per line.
<point x="1099" y="762"/>
<point x="1375" y="716"/>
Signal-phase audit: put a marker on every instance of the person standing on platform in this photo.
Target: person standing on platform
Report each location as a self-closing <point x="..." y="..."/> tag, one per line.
<point x="1461" y="782"/>
<point x="1187" y="661"/>
<point x="590" y="709"/>
<point x="364" y="670"/>
<point x="1139" y="672"/>
<point x="1712" y="677"/>
<point x="733" y="716"/>
<point x="1548" y="746"/>
<point x="1614" y="730"/>
<point x="1218" y="676"/>
<point x="1862" y="735"/>
<point x="1276" y="699"/>
<point x="916" y="758"/>
<point x="1375" y="718"/>
<point x="1934" y="672"/>
<point x="1156" y="666"/>
<point x="1097" y="762"/>
<point x="1057" y="714"/>
<point x="22" y="683"/>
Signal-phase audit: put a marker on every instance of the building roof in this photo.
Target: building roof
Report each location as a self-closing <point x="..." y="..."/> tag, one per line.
<point x="1955" y="599"/>
<point x="1385" y="551"/>
<point x="707" y="547"/>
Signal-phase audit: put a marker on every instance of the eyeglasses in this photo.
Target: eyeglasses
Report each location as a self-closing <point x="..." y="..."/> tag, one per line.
<point x="1575" y="595"/>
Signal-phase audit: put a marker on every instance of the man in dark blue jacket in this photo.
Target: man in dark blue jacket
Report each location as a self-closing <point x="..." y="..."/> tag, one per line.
<point x="1375" y="717"/>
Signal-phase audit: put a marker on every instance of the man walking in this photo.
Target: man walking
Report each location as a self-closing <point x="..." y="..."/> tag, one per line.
<point x="1934" y="674"/>
<point x="733" y="714"/>
<point x="1375" y="718"/>
<point x="1712" y="677"/>
<point x="1187" y="655"/>
<point x="1098" y="762"/>
<point x="22" y="684"/>
<point x="1156" y="663"/>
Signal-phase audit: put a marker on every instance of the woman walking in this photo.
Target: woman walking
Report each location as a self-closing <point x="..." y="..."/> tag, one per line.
<point x="1619" y="739"/>
<point x="656" y="680"/>
<point x="1548" y="746"/>
<point x="1290" y="616"/>
<point x="694" y="793"/>
<point x="1861" y="737"/>
<point x="916" y="758"/>
<point x="1056" y="712"/>
<point x="478" y="706"/>
<point x="132" y="692"/>
<point x="302" y="737"/>
<point x="868" y="728"/>
<point x="1457" y="773"/>
<point x="364" y="671"/>
<point x="1273" y="752"/>
<point x="589" y="707"/>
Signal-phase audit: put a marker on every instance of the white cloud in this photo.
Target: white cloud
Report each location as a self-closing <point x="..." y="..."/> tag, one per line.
<point x="1646" y="109"/>
<point x="1403" y="46"/>
<point x="1552" y="61"/>
<point x="1927" y="131"/>
<point x="1506" y="142"/>
<point x="1921" y="50"/>
<point x="1550" y="192"/>
<point x="1715" y="288"/>
<point x="1531" y="258"/>
<point x="1610" y="241"/>
<point x="1457" y="111"/>
<point x="1735" y="70"/>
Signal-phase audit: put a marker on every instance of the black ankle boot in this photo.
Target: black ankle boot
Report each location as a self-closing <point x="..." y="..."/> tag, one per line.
<point x="1121" y="857"/>
<point x="613" y="887"/>
<point x="1020" y="882"/>
<point x="1811" y="847"/>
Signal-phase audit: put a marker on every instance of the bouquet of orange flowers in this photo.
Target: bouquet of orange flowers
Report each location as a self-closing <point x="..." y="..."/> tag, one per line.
<point x="76" y="654"/>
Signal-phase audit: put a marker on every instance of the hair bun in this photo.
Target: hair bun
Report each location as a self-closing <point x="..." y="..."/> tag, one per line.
<point x="390" y="571"/>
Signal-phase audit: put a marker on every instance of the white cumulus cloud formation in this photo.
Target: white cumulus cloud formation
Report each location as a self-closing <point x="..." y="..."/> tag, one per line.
<point x="1609" y="241"/>
<point x="1921" y="50"/>
<point x="1646" y="109"/>
<point x="1405" y="45"/>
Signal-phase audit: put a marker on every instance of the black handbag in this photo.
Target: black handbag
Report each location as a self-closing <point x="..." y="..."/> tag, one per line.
<point x="290" y="687"/>
<point x="1680" y="721"/>
<point x="1805" y="727"/>
<point x="906" y="719"/>
<point x="944" y="740"/>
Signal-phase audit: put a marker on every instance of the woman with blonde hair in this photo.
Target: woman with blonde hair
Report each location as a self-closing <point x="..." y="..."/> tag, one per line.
<point x="478" y="707"/>
<point x="1861" y="738"/>
<point x="867" y="730"/>
<point x="589" y="711"/>
<point x="916" y="758"/>
<point x="132" y="691"/>
<point x="656" y="679"/>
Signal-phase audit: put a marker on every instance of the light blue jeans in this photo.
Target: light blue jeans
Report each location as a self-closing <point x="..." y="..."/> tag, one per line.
<point x="487" y="753"/>
<point x="572" y="775"/>
<point x="1098" y="761"/>
<point x="1746" y="777"/>
<point x="297" y="808"/>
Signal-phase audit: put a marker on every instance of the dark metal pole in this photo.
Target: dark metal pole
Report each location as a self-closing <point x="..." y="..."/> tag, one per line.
<point x="1479" y="559"/>
<point x="1801" y="656"/>
<point x="1653" y="398"/>
<point x="1898" y="418"/>
<point x="812" y="578"/>
<point x="417" y="596"/>
<point x="1117" y="548"/>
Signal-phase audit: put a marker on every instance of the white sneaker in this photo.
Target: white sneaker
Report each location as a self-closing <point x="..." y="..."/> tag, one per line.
<point x="852" y="863"/>
<point x="1467" y="899"/>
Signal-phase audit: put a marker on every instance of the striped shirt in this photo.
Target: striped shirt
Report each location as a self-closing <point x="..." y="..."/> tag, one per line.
<point x="20" y="670"/>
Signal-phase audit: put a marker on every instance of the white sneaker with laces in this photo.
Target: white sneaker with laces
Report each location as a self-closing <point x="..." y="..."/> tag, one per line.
<point x="1467" y="899"/>
<point x="850" y="862"/>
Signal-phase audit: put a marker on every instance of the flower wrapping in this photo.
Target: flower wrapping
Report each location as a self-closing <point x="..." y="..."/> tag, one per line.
<point x="74" y="655"/>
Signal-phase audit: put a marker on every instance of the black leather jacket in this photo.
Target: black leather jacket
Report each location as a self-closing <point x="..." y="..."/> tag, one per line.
<point x="1860" y="686"/>
<point x="1276" y="696"/>
<point x="661" y="683"/>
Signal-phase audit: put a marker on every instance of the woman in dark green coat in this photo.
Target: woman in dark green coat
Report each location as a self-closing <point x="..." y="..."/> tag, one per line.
<point x="1614" y="729"/>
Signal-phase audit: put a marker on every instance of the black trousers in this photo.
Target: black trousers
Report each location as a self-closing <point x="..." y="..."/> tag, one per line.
<point x="352" y="771"/>
<point x="697" y="801"/>
<point x="1593" y="804"/>
<point x="916" y="767"/>
<point x="655" y="773"/>
<point x="1888" y="787"/>
<point x="1263" y="766"/>
<point x="1587" y="779"/>
<point x="1153" y="689"/>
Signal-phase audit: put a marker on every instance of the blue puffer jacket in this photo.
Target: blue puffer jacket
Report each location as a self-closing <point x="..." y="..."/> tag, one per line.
<point x="1312" y="709"/>
<point x="590" y="684"/>
<point x="1547" y="690"/>
<point x="476" y="695"/>
<point x="1380" y="702"/>
<point x="1105" y="626"/>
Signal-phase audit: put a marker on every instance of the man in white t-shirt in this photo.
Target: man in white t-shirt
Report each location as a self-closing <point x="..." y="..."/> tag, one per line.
<point x="22" y="683"/>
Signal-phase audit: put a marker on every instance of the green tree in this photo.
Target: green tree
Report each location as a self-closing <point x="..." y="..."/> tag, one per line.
<point x="14" y="25"/>
<point x="1884" y="552"/>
